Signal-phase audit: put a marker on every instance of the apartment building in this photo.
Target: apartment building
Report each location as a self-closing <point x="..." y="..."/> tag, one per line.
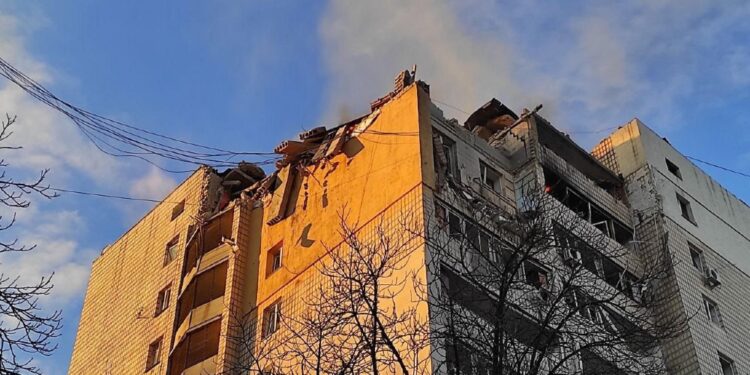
<point x="708" y="232"/>
<point x="210" y="279"/>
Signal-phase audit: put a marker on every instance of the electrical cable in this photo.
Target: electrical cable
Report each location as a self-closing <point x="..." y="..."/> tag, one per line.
<point x="122" y="197"/>
<point x="119" y="139"/>
<point x="718" y="166"/>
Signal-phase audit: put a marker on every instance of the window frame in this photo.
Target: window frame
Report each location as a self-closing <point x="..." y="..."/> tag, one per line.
<point x="271" y="319"/>
<point x="153" y="357"/>
<point x="274" y="253"/>
<point x="710" y="306"/>
<point x="450" y="149"/>
<point x="495" y="184"/>
<point x="177" y="210"/>
<point x="686" y="209"/>
<point x="163" y="299"/>
<point x="696" y="255"/>
<point x="723" y="359"/>
<point x="174" y="243"/>
<point x="673" y="168"/>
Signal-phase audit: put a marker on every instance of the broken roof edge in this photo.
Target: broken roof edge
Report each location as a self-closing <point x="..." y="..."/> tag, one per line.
<point x="490" y="110"/>
<point x="549" y="133"/>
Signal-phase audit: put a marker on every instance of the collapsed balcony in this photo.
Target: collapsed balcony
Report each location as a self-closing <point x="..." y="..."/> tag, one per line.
<point x="208" y="238"/>
<point x="561" y="190"/>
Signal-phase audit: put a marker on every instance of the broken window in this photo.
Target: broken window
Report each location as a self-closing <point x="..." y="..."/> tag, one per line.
<point x="170" y="253"/>
<point x="586" y="210"/>
<point x="274" y="259"/>
<point x="177" y="210"/>
<point x="154" y="354"/>
<point x="673" y="168"/>
<point x="727" y="365"/>
<point x="712" y="311"/>
<point x="687" y="211"/>
<point x="448" y="148"/>
<point x="536" y="275"/>
<point x="271" y="319"/>
<point x="455" y="226"/>
<point x="162" y="300"/>
<point x="696" y="255"/>
<point x="490" y="177"/>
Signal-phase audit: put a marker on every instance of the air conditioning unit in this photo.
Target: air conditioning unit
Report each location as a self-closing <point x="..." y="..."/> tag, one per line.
<point x="572" y="256"/>
<point x="712" y="277"/>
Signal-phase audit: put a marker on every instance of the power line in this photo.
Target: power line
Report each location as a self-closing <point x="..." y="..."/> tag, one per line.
<point x="103" y="195"/>
<point x="718" y="166"/>
<point x="119" y="139"/>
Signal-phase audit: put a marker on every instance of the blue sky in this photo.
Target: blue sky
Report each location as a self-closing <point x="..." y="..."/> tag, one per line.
<point x="246" y="75"/>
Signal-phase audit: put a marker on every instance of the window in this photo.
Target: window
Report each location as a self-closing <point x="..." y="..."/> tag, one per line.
<point x="536" y="275"/>
<point x="162" y="299"/>
<point x="674" y="169"/>
<point x="712" y="311"/>
<point x="696" y="255"/>
<point x="271" y="319"/>
<point x="455" y="227"/>
<point x="273" y="260"/>
<point x="177" y="210"/>
<point x="727" y="365"/>
<point x="154" y="354"/>
<point x="170" y="252"/>
<point x="449" y="152"/>
<point x="490" y="177"/>
<point x="687" y="212"/>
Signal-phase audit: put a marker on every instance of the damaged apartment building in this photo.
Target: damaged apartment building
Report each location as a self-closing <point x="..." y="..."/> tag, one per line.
<point x="244" y="245"/>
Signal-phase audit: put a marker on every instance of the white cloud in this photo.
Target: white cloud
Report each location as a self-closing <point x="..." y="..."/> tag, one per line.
<point x="56" y="252"/>
<point x="592" y="66"/>
<point x="153" y="185"/>
<point x="367" y="43"/>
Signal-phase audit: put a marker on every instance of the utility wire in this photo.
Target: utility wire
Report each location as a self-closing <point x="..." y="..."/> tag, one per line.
<point x="718" y="166"/>
<point x="119" y="139"/>
<point x="102" y="195"/>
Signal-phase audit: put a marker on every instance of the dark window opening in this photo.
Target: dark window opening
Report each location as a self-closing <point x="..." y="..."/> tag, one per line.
<point x="727" y="365"/>
<point x="696" y="255"/>
<point x="586" y="210"/>
<point x="536" y="275"/>
<point x="455" y="225"/>
<point x="178" y="209"/>
<point x="490" y="177"/>
<point x="154" y="354"/>
<point x="685" y="209"/>
<point x="462" y="359"/>
<point x="449" y="151"/>
<point x="712" y="311"/>
<point x="673" y="168"/>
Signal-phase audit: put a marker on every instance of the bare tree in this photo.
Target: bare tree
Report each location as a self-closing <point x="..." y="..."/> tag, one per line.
<point x="361" y="317"/>
<point x="25" y="330"/>
<point x="542" y="291"/>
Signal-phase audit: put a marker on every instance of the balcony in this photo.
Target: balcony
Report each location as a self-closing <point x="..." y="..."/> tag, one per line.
<point x="205" y="288"/>
<point x="196" y="352"/>
<point x="207" y="238"/>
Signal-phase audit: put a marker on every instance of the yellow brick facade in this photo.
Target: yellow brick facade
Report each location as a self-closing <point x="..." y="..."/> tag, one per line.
<point x="374" y="178"/>
<point x="117" y="322"/>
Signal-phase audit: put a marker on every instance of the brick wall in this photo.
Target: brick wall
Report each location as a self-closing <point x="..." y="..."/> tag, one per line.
<point x="117" y="322"/>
